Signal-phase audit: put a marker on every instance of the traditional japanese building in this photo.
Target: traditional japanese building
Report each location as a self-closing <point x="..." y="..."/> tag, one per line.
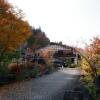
<point x="59" y="51"/>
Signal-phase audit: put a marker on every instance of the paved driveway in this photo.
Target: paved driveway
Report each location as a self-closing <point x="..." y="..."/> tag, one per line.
<point x="48" y="87"/>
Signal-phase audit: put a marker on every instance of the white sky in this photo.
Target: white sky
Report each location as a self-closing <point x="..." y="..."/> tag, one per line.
<point x="70" y="21"/>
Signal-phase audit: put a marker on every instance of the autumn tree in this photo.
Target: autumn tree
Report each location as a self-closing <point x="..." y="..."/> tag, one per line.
<point x="38" y="39"/>
<point x="91" y="55"/>
<point x="93" y="51"/>
<point x="13" y="29"/>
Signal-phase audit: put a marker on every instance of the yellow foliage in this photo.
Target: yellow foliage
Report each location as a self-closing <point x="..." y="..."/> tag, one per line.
<point x="85" y="67"/>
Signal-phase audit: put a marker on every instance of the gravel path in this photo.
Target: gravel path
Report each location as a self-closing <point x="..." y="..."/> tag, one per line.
<point x="47" y="87"/>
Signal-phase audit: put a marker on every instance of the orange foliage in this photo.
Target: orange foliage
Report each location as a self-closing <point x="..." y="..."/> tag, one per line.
<point x="13" y="30"/>
<point x="46" y="53"/>
<point x="93" y="52"/>
<point x="14" y="67"/>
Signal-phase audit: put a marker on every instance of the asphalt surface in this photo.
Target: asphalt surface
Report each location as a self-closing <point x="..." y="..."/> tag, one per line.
<point x="47" y="87"/>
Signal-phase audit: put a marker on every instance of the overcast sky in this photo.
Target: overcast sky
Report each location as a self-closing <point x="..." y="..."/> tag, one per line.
<point x="71" y="21"/>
